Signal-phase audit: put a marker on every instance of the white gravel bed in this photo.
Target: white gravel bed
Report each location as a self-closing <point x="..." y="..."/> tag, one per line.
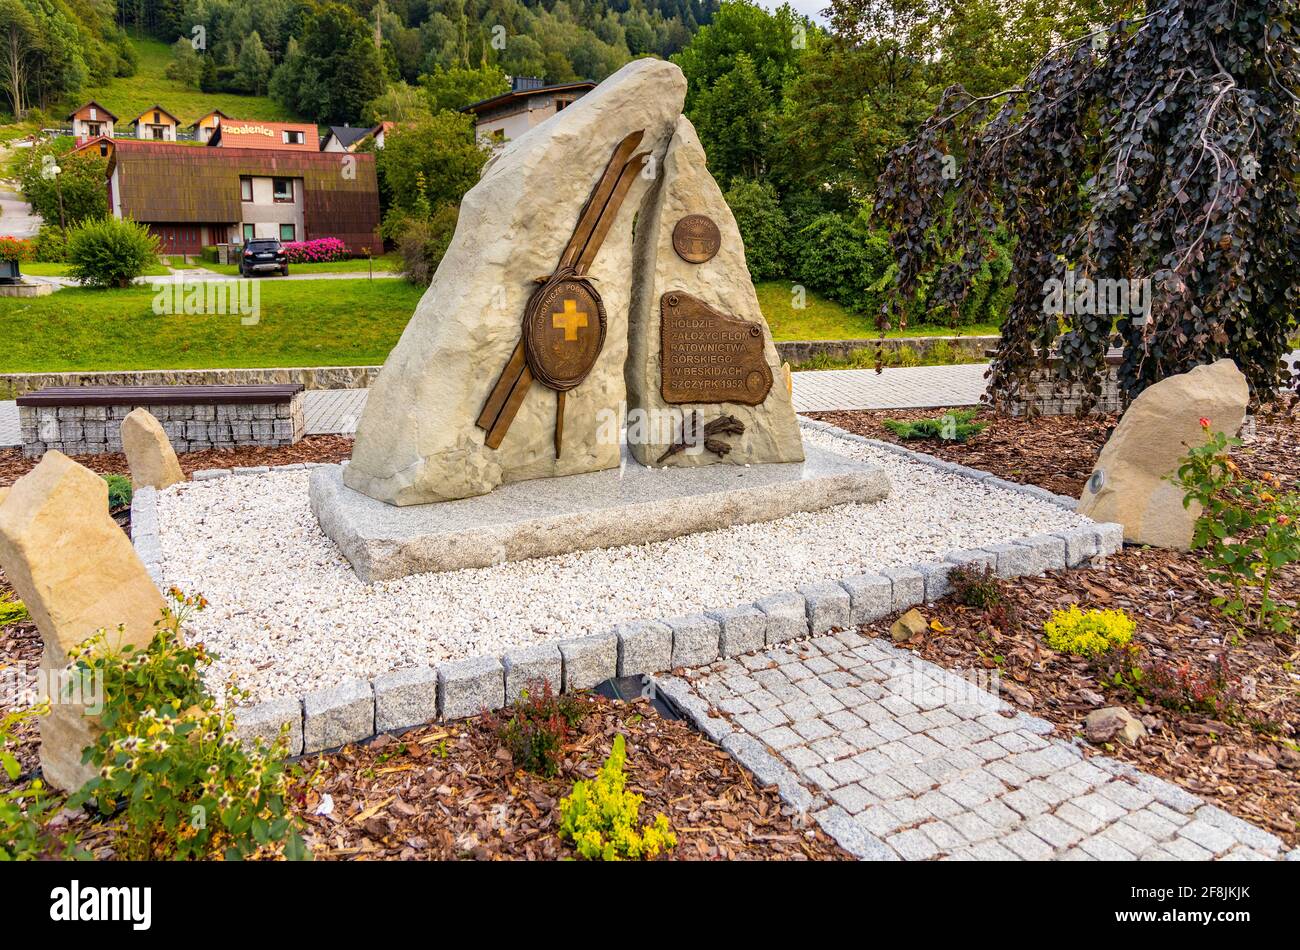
<point x="287" y="615"/>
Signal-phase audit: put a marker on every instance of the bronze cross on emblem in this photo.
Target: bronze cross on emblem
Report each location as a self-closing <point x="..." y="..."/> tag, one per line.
<point x="569" y="319"/>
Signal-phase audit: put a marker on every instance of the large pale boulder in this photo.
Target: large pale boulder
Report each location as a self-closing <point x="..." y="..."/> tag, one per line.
<point x="1130" y="482"/>
<point x="77" y="573"/>
<point x="149" y="453"/>
<point x="417" y="441"/>
<point x="685" y="188"/>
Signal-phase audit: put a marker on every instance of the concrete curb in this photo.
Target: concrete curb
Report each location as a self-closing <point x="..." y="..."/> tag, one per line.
<point x="463" y="688"/>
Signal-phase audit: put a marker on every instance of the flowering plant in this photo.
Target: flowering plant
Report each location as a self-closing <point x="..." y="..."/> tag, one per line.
<point x="15" y="249"/>
<point x="170" y="757"/>
<point x="1090" y="632"/>
<point x="317" y="251"/>
<point x="1246" y="529"/>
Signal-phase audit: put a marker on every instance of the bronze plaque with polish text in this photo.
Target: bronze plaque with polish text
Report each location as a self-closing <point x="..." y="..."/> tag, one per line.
<point x="707" y="356"/>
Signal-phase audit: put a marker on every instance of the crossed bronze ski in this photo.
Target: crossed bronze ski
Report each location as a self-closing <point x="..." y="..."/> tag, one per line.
<point x="565" y="302"/>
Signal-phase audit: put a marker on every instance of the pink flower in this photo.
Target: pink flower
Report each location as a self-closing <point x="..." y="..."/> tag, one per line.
<point x="1205" y="422"/>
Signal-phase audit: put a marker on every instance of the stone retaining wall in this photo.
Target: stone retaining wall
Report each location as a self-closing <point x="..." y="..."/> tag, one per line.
<point x="1051" y="397"/>
<point x="311" y="377"/>
<point x="92" y="430"/>
<point x="359" y="709"/>
<point x="801" y="351"/>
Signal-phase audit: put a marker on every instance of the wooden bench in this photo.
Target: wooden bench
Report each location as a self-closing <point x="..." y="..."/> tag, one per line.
<point x="87" y="420"/>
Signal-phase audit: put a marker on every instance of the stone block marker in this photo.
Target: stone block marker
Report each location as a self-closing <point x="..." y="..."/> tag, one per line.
<point x="406" y="698"/>
<point x="589" y="661"/>
<point x="336" y="716"/>
<point x="77" y="573"/>
<point x="787" y="616"/>
<point x="744" y="630"/>
<point x="696" y="639"/>
<point x="264" y="721"/>
<point x="530" y="667"/>
<point x="871" y="596"/>
<point x="908" y="586"/>
<point x="644" y="646"/>
<point x="149" y="453"/>
<point x="827" y="606"/>
<point x="467" y="687"/>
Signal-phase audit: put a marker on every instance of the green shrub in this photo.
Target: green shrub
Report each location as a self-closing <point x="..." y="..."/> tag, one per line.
<point x="119" y="491"/>
<point x="843" y="261"/>
<point x="538" y="727"/>
<point x="1088" y="633"/>
<point x="170" y="760"/>
<point x="601" y="816"/>
<point x="422" y="243"/>
<point x="1248" y="531"/>
<point x="26" y="807"/>
<point x="50" y="246"/>
<point x="12" y="610"/>
<point x="110" y="252"/>
<point x="950" y="427"/>
<point x="976" y="585"/>
<point x="763" y="226"/>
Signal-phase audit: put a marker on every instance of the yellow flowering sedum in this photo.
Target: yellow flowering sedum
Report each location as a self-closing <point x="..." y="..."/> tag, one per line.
<point x="1088" y="633"/>
<point x="601" y="815"/>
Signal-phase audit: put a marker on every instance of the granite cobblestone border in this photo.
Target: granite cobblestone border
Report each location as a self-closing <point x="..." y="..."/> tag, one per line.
<point x="359" y="709"/>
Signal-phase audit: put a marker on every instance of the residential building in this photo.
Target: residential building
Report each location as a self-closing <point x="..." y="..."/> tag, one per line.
<point x="206" y="125"/>
<point x="156" y="124"/>
<point x="193" y="197"/>
<point x="528" y="103"/>
<point x="92" y="120"/>
<point x="246" y="133"/>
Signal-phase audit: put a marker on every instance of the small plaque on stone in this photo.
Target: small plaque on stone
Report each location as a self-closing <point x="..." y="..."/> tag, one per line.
<point x="707" y="356"/>
<point x="696" y="238"/>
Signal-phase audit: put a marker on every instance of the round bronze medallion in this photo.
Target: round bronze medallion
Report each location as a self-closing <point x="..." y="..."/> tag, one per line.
<point x="564" y="330"/>
<point x="696" y="238"/>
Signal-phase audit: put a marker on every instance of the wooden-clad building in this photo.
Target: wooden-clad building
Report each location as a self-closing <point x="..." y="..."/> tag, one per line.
<point x="92" y="120"/>
<point x="191" y="197"/>
<point x="156" y="124"/>
<point x="206" y="125"/>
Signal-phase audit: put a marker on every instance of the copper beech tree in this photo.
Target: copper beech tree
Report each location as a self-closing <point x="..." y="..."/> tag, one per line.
<point x="1158" y="154"/>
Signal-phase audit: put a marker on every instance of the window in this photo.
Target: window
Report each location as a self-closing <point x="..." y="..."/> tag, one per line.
<point x="156" y="118"/>
<point x="287" y="232"/>
<point x="246" y="189"/>
<point x="157" y="133"/>
<point x="92" y="128"/>
<point x="248" y="233"/>
<point x="561" y="103"/>
<point x="283" y="190"/>
<point x="294" y="137"/>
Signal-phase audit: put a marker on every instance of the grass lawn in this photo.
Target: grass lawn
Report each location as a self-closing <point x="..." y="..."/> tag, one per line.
<point x="388" y="263"/>
<point x="39" y="269"/>
<point x="822" y="319"/>
<point x="127" y="97"/>
<point x="303" y="323"/>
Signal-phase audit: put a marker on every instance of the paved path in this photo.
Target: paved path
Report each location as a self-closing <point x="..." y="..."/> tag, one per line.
<point x="330" y="411"/>
<point x="896" y="757"/>
<point x="913" y="387"/>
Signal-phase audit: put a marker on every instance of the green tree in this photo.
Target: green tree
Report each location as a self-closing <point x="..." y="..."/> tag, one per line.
<point x="458" y="86"/>
<point x="335" y="69"/>
<point x="398" y="103"/>
<point x="254" y="65"/>
<point x="187" y="65"/>
<point x="20" y="45"/>
<point x="77" y="193"/>
<point x="734" y="118"/>
<point x="429" y="163"/>
<point x="763" y="227"/>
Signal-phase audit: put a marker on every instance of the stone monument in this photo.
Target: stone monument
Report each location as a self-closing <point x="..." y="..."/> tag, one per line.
<point x="595" y="293"/>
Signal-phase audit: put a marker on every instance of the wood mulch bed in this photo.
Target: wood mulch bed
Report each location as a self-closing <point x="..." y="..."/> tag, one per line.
<point x="313" y="448"/>
<point x="450" y="791"/>
<point x="1247" y="759"/>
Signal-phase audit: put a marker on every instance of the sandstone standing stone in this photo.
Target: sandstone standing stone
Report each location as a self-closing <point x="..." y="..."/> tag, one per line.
<point x="685" y="187"/>
<point x="417" y="441"/>
<point x="1130" y="482"/>
<point x="77" y="572"/>
<point x="149" y="452"/>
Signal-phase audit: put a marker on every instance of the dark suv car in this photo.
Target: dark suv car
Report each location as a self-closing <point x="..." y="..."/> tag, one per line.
<point x="262" y="255"/>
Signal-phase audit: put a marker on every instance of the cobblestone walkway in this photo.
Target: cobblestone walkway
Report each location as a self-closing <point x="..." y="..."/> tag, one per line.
<point x="330" y="411"/>
<point x="898" y="758"/>
<point x="912" y="387"/>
